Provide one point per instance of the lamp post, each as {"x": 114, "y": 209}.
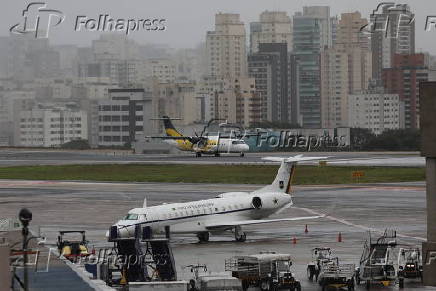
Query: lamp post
{"x": 25, "y": 216}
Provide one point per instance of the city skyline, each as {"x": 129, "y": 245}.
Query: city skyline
{"x": 187, "y": 30}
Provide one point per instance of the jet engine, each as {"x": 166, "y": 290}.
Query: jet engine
{"x": 256, "y": 202}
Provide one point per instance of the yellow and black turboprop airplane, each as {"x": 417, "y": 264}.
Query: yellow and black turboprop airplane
{"x": 203, "y": 143}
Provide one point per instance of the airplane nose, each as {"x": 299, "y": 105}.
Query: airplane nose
{"x": 244, "y": 147}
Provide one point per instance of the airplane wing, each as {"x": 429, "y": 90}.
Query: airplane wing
{"x": 169, "y": 137}
{"x": 298, "y": 158}
{"x": 256, "y": 221}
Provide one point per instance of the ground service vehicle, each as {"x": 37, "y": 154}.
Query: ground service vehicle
{"x": 72, "y": 248}
{"x": 268, "y": 271}
{"x": 409, "y": 265}
{"x": 333, "y": 274}
{"x": 377, "y": 260}
{"x": 319, "y": 256}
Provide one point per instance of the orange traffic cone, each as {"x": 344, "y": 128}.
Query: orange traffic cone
{"x": 294, "y": 240}
{"x": 340, "y": 237}
{"x": 305, "y": 229}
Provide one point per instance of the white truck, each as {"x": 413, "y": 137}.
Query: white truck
{"x": 268, "y": 271}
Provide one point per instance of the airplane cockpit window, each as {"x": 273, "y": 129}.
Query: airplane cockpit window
{"x": 237, "y": 142}
{"x": 131, "y": 216}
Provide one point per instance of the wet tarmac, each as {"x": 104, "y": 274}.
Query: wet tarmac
{"x": 58, "y": 157}
{"x": 351, "y": 210}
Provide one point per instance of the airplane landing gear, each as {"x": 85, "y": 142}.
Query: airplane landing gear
{"x": 240, "y": 236}
{"x": 242, "y": 155}
{"x": 203, "y": 237}
{"x": 217, "y": 154}
{"x": 198, "y": 154}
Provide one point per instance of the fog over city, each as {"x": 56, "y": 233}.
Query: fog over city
{"x": 103, "y": 73}
{"x": 188, "y": 20}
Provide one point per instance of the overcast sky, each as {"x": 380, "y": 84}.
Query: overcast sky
{"x": 188, "y": 20}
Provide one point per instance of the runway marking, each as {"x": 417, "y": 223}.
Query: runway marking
{"x": 346, "y": 222}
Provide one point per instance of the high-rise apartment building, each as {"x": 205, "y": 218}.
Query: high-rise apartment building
{"x": 51, "y": 126}
{"x": 226, "y": 47}
{"x": 345, "y": 68}
{"x": 403, "y": 79}
{"x": 375, "y": 110}
{"x": 392, "y": 32}
{"x": 272, "y": 27}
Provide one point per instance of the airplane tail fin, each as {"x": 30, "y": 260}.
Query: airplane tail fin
{"x": 283, "y": 180}
{"x": 170, "y": 130}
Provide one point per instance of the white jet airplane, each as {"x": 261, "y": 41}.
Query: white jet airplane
{"x": 227, "y": 212}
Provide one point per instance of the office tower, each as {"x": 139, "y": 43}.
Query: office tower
{"x": 322, "y": 13}
{"x": 124, "y": 116}
{"x": 305, "y": 71}
{"x": 269, "y": 68}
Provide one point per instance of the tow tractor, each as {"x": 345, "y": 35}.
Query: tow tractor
{"x": 73, "y": 247}
{"x": 267, "y": 270}
{"x": 377, "y": 260}
{"x": 409, "y": 265}
{"x": 319, "y": 256}
{"x": 335, "y": 275}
